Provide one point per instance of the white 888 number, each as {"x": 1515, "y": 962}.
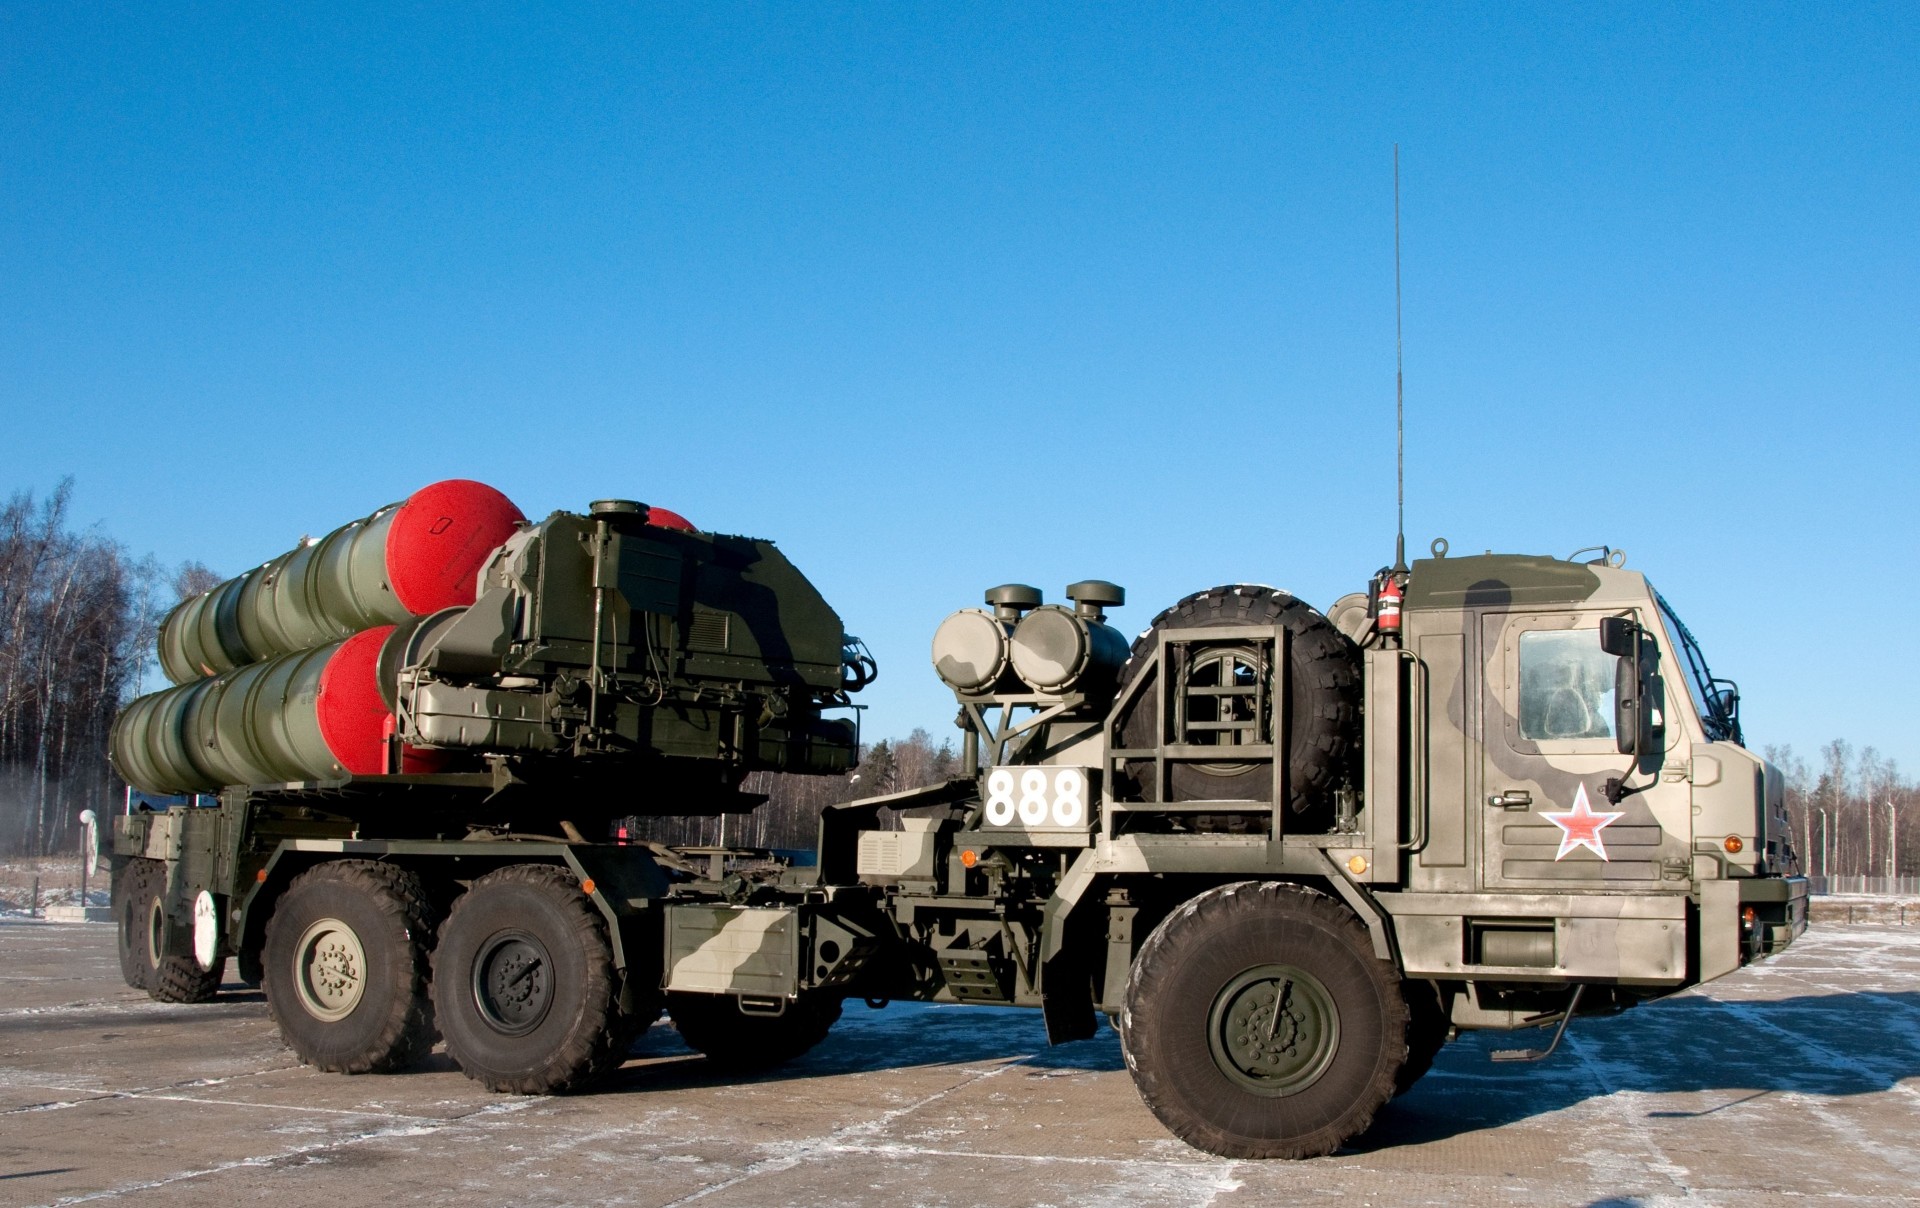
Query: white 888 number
{"x": 1037, "y": 796}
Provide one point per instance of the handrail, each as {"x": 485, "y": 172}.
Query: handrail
{"x": 1417, "y": 781}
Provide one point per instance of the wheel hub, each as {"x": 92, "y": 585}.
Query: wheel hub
{"x": 156, "y": 932}
{"x": 1274, "y": 1030}
{"x": 330, "y": 970}
{"x": 1220, "y": 704}
{"x": 513, "y": 982}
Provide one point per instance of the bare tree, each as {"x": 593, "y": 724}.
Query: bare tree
{"x": 1855, "y": 817}
{"x": 72, "y": 632}
{"x": 790, "y": 817}
{"x": 195, "y": 578}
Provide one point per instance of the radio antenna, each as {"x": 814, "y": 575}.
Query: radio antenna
{"x": 1399, "y": 387}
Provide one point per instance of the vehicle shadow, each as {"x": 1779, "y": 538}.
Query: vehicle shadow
{"x": 899, "y": 1036}
{"x": 1730, "y": 1052}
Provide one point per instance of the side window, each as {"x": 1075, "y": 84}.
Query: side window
{"x": 1566, "y": 685}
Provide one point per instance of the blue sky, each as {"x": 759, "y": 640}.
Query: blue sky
{"x": 945, "y": 296}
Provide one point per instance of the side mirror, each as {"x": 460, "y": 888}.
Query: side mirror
{"x": 1638, "y": 721}
{"x": 1617, "y": 636}
{"x": 1628, "y": 705}
{"x": 1727, "y": 703}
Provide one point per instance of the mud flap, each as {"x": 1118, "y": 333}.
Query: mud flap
{"x": 1719, "y": 938}
{"x": 1066, "y": 1002}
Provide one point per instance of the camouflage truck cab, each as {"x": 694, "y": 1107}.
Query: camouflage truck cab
{"x": 1549, "y": 854}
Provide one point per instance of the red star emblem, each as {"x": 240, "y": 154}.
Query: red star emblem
{"x": 1581, "y": 827}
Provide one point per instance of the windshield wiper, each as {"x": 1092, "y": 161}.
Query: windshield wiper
{"x": 1720, "y": 698}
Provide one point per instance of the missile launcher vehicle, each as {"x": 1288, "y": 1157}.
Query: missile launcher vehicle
{"x": 1287, "y": 854}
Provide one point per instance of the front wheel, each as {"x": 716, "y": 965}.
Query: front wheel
{"x": 1259, "y": 1024}
{"x": 1428, "y": 1026}
{"x": 525, "y": 987}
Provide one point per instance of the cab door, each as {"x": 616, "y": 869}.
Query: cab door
{"x": 1549, "y": 749}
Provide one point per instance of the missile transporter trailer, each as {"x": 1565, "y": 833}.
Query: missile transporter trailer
{"x": 1287, "y": 854}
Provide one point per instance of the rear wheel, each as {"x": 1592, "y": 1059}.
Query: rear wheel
{"x": 346, "y": 966}
{"x": 525, "y": 987}
{"x": 1259, "y": 1024}
{"x": 171, "y": 974}
{"x": 737, "y": 1040}
{"x": 130, "y": 922}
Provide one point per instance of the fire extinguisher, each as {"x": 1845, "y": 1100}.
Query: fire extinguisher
{"x": 1387, "y": 602}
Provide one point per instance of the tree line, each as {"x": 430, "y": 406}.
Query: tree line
{"x": 74, "y": 615}
{"x": 1851, "y": 812}
{"x": 790, "y": 817}
{"x": 78, "y": 614}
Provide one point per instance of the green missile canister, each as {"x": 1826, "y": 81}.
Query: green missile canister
{"x": 318, "y": 714}
{"x": 407, "y": 559}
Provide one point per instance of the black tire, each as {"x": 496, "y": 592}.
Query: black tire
{"x": 738, "y": 1041}
{"x": 1323, "y": 704}
{"x": 130, "y": 921}
{"x": 524, "y": 982}
{"x": 171, "y": 975}
{"x": 1427, "y": 1029}
{"x": 346, "y": 964}
{"x": 1204, "y": 985}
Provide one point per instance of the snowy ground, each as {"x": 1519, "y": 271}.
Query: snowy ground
{"x": 1792, "y": 1081}
{"x": 58, "y": 881}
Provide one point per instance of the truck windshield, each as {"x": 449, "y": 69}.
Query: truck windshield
{"x": 1716, "y": 701}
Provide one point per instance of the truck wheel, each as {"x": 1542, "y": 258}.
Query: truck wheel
{"x": 1323, "y": 704}
{"x": 170, "y": 975}
{"x": 1259, "y": 1024}
{"x": 1427, "y": 1028}
{"x": 524, "y": 982}
{"x": 130, "y": 921}
{"x": 346, "y": 963}
{"x": 741, "y": 1041}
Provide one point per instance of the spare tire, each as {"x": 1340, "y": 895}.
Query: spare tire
{"x": 1323, "y": 705}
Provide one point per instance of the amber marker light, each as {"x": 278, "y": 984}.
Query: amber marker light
{"x": 1733, "y": 845}
{"x": 968, "y": 858}
{"x": 586, "y": 887}
{"x": 260, "y": 878}
{"x": 1357, "y": 865}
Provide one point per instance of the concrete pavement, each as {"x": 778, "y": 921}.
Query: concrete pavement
{"x": 1797, "y": 1079}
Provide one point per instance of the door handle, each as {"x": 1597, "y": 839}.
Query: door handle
{"x": 1512, "y": 799}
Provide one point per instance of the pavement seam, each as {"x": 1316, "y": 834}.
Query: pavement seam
{"x": 1819, "y": 1105}
{"x": 1662, "y": 1162}
{"x": 899, "y": 1148}
{"x": 833, "y": 1143}
{"x": 98, "y": 1096}
{"x": 298, "y": 1151}
{"x": 798, "y": 1152}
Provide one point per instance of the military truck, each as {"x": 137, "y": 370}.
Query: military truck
{"x": 1287, "y": 854}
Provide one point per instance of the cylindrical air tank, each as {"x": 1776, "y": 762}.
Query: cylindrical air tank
{"x": 407, "y": 559}
{"x": 315, "y": 714}
{"x": 970, "y": 649}
{"x": 1057, "y": 650}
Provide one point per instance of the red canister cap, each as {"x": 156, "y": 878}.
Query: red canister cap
{"x": 353, "y": 719}
{"x": 440, "y": 538}
{"x": 664, "y": 518}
